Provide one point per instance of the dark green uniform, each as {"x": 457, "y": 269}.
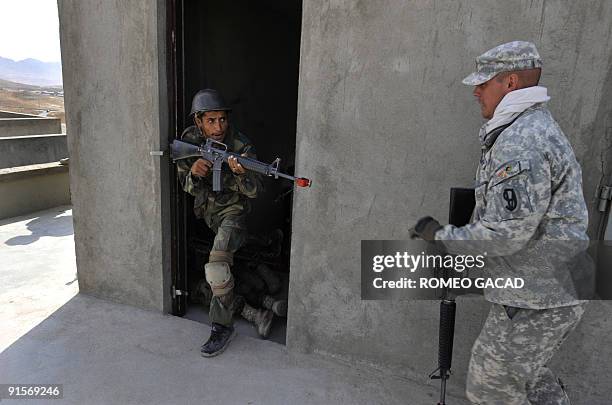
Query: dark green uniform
{"x": 224, "y": 212}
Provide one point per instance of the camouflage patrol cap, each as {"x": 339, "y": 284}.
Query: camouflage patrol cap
{"x": 515, "y": 55}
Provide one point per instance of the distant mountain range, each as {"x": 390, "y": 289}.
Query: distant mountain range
{"x": 5, "y": 84}
{"x": 31, "y": 71}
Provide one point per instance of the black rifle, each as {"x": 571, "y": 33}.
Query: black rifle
{"x": 462, "y": 204}
{"x": 217, "y": 153}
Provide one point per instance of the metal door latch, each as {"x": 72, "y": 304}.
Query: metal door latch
{"x": 156, "y": 153}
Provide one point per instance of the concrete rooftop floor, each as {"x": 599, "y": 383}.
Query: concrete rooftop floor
{"x": 107, "y": 353}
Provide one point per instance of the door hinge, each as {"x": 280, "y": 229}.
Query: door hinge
{"x": 605, "y": 195}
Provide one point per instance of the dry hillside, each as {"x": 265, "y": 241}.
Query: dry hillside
{"x": 23, "y": 98}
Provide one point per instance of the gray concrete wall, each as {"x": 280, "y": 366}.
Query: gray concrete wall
{"x": 385, "y": 128}
{"x": 33, "y": 188}
{"x": 32, "y": 149}
{"x": 29, "y": 126}
{"x": 114, "y": 101}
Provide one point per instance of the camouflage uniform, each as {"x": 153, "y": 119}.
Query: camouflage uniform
{"x": 509, "y": 357}
{"x": 224, "y": 212}
{"x": 528, "y": 188}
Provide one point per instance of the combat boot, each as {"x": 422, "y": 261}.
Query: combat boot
{"x": 261, "y": 318}
{"x": 271, "y": 279}
{"x": 220, "y": 337}
{"x": 279, "y": 307}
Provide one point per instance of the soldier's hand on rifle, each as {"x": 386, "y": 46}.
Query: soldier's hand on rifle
{"x": 236, "y": 167}
{"x": 201, "y": 167}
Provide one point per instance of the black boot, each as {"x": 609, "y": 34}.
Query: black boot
{"x": 219, "y": 339}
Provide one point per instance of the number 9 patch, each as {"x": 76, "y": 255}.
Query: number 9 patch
{"x": 510, "y": 188}
{"x": 511, "y": 199}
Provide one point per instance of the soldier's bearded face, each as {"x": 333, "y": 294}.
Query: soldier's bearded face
{"x": 213, "y": 124}
{"x": 489, "y": 94}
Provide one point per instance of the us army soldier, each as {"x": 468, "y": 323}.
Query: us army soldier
{"x": 224, "y": 212}
{"x": 528, "y": 190}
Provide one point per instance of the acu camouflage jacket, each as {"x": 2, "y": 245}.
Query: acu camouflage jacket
{"x": 530, "y": 213}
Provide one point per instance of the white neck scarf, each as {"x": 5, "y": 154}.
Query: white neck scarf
{"x": 513, "y": 104}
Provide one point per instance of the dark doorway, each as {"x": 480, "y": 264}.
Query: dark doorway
{"x": 249, "y": 51}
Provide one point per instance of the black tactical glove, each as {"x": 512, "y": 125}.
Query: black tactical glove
{"x": 425, "y": 229}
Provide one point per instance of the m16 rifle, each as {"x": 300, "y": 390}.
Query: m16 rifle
{"x": 217, "y": 153}
{"x": 462, "y": 202}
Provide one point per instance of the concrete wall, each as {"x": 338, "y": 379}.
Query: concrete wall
{"x": 32, "y": 149}
{"x": 115, "y": 111}
{"x": 29, "y": 126}
{"x": 385, "y": 128}
{"x": 33, "y": 188}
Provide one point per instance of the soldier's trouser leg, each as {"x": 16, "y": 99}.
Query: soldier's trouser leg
{"x": 230, "y": 235}
{"x": 508, "y": 363}
{"x": 545, "y": 389}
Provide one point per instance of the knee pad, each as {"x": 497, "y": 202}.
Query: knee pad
{"x": 219, "y": 277}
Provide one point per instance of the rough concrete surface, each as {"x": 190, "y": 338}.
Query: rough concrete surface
{"x": 110, "y": 65}
{"x": 32, "y": 188}
{"x": 32, "y": 149}
{"x": 107, "y": 353}
{"x": 19, "y": 126}
{"x": 37, "y": 270}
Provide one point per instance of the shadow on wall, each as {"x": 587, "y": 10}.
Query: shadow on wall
{"x": 60, "y": 225}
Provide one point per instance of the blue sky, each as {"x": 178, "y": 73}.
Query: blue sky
{"x": 29, "y": 29}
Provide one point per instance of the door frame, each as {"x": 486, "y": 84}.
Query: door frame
{"x": 175, "y": 74}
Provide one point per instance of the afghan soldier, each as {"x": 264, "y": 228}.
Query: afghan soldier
{"x": 528, "y": 190}
{"x": 224, "y": 212}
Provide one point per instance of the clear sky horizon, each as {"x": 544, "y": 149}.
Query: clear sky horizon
{"x": 29, "y": 29}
